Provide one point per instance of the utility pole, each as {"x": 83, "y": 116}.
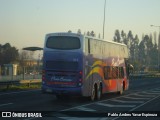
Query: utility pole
{"x": 104, "y": 17}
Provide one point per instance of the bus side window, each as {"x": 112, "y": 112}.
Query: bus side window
{"x": 115, "y": 73}
{"x": 107, "y": 72}
{"x": 86, "y": 45}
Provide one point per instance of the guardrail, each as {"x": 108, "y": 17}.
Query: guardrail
{"x": 20, "y": 77}
{"x": 144, "y": 76}
{"x": 19, "y": 82}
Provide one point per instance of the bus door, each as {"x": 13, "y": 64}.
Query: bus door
{"x": 115, "y": 79}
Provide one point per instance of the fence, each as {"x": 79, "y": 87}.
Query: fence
{"x": 19, "y": 80}
{"x": 145, "y": 76}
{"x": 20, "y": 77}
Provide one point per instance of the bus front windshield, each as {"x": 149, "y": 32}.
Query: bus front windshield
{"x": 63, "y": 42}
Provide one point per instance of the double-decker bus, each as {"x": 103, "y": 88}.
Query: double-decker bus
{"x": 75, "y": 64}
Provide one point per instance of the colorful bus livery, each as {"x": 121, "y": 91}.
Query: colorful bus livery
{"x": 74, "y": 64}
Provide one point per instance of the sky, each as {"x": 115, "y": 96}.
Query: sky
{"x": 24, "y": 23}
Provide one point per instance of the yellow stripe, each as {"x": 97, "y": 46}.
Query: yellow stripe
{"x": 98, "y": 63}
{"x": 95, "y": 70}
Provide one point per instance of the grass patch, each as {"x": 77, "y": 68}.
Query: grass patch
{"x": 20, "y": 87}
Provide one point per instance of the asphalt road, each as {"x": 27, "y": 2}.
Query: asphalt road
{"x": 142, "y": 97}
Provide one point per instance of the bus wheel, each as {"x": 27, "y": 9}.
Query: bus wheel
{"x": 93, "y": 94}
{"x": 99, "y": 92}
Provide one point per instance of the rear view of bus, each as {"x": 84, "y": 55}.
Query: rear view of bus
{"x": 62, "y": 64}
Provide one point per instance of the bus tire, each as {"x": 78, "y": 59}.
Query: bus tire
{"x": 93, "y": 94}
{"x": 99, "y": 92}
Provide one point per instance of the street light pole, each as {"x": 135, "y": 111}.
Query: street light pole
{"x": 158, "y": 46}
{"x": 104, "y": 17}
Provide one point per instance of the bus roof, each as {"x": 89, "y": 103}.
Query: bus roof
{"x": 105, "y": 40}
{"x": 80, "y": 35}
{"x": 63, "y": 34}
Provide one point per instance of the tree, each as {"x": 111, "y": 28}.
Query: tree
{"x": 88, "y": 33}
{"x": 136, "y": 43}
{"x": 99, "y": 36}
{"x": 149, "y": 46}
{"x": 117, "y": 36}
{"x": 153, "y": 55}
{"x": 23, "y": 55}
{"x": 124, "y": 39}
{"x": 155, "y": 37}
{"x": 92, "y": 34}
{"x": 79, "y": 31}
{"x": 141, "y": 54}
{"x": 130, "y": 38}
{"x": 8, "y": 54}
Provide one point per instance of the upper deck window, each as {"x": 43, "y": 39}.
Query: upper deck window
{"x": 63, "y": 42}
